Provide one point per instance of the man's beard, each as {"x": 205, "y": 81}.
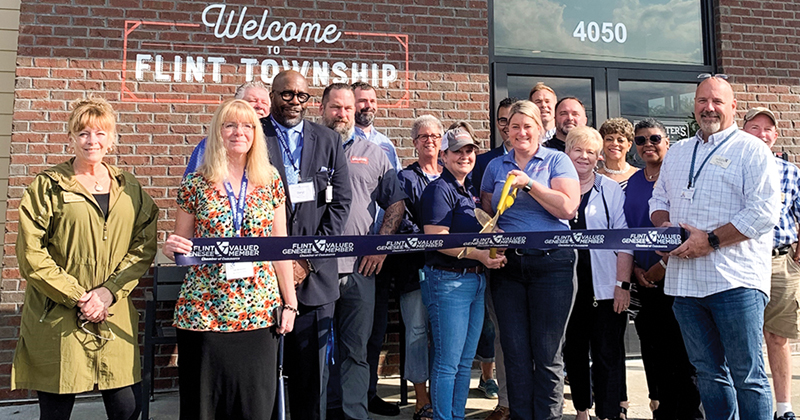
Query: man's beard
{"x": 365, "y": 117}
{"x": 566, "y": 128}
{"x": 344, "y": 129}
{"x": 710, "y": 127}
{"x": 287, "y": 122}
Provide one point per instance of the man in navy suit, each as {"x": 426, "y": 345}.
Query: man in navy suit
{"x": 313, "y": 167}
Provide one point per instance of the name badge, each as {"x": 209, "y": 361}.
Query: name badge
{"x": 302, "y": 192}
{"x": 720, "y": 161}
{"x": 687, "y": 193}
{"x": 72, "y": 197}
{"x": 239, "y": 270}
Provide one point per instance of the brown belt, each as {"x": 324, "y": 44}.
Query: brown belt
{"x": 478, "y": 269}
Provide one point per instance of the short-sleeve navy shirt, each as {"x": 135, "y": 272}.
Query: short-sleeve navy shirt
{"x": 445, "y": 202}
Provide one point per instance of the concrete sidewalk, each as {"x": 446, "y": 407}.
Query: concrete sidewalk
{"x": 165, "y": 406}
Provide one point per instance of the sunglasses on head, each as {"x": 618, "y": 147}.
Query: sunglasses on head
{"x": 704, "y": 76}
{"x": 641, "y": 140}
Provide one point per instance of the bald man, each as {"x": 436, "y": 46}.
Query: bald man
{"x": 722, "y": 186}
{"x": 315, "y": 175}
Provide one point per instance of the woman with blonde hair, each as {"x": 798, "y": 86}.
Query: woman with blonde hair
{"x": 229, "y": 316}
{"x": 87, "y": 233}
{"x": 533, "y": 293}
{"x": 598, "y": 320}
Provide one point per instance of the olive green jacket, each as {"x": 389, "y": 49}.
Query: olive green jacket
{"x": 66, "y": 247}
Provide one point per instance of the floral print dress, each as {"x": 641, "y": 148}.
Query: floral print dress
{"x": 208, "y": 301}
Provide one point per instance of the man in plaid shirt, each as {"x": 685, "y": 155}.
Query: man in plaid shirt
{"x": 781, "y": 317}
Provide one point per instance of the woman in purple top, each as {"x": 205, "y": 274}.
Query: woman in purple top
{"x": 671, "y": 378}
{"x": 533, "y": 293}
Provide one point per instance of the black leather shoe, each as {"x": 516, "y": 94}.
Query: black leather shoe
{"x": 335, "y": 414}
{"x": 378, "y": 406}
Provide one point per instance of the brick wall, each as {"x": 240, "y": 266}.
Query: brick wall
{"x": 70, "y": 49}
{"x": 758, "y": 45}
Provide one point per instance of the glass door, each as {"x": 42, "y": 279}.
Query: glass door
{"x": 586, "y": 84}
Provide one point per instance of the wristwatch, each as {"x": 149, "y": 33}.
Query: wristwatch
{"x": 527, "y": 188}
{"x": 624, "y": 285}
{"x": 713, "y": 240}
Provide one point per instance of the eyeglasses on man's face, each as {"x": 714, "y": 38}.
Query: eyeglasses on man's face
{"x": 288, "y": 95}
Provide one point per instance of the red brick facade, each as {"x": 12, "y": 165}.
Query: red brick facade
{"x": 68, "y": 49}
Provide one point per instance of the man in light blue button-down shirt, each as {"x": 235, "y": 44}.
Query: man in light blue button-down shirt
{"x": 722, "y": 186}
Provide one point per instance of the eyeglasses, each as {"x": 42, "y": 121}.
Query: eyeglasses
{"x": 288, "y": 95}
{"x": 82, "y": 326}
{"x": 502, "y": 122}
{"x": 704, "y": 76}
{"x": 231, "y": 126}
{"x": 641, "y": 140}
{"x": 426, "y": 137}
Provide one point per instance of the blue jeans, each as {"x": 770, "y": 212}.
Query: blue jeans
{"x": 455, "y": 307}
{"x": 415, "y": 316}
{"x": 723, "y": 336}
{"x": 533, "y": 296}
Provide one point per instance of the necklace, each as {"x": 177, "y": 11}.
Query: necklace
{"x": 651, "y": 177}
{"x": 97, "y": 186}
{"x": 624, "y": 169}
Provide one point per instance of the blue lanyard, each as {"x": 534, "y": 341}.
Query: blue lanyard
{"x": 692, "y": 175}
{"x": 237, "y": 207}
{"x": 285, "y": 143}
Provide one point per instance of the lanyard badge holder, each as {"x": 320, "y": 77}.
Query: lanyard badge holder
{"x": 238, "y": 270}
{"x": 299, "y": 192}
{"x": 688, "y": 192}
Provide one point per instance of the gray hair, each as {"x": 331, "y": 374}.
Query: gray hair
{"x": 650, "y": 123}
{"x": 254, "y": 84}
{"x": 425, "y": 121}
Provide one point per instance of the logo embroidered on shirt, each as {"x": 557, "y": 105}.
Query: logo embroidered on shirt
{"x": 359, "y": 159}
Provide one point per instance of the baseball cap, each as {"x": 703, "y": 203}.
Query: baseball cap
{"x": 754, "y": 112}
{"x": 456, "y": 139}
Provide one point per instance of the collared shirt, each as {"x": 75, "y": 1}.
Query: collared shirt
{"x": 786, "y": 229}
{"x": 374, "y": 183}
{"x": 527, "y": 215}
{"x": 445, "y": 202}
{"x": 291, "y": 157}
{"x": 547, "y": 135}
{"x": 378, "y": 138}
{"x": 196, "y": 158}
{"x": 738, "y": 185}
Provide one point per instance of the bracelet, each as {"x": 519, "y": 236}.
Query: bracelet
{"x": 663, "y": 264}
{"x": 291, "y": 308}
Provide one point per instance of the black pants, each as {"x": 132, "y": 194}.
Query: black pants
{"x": 379, "y": 325}
{"x": 304, "y": 361}
{"x": 666, "y": 361}
{"x": 121, "y": 403}
{"x": 596, "y": 329}
{"x": 228, "y": 375}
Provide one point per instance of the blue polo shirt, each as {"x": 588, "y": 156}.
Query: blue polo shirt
{"x": 527, "y": 215}
{"x": 445, "y": 202}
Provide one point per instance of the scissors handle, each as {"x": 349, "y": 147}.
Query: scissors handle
{"x": 507, "y": 196}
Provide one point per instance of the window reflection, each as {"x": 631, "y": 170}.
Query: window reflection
{"x": 520, "y": 87}
{"x": 656, "y": 31}
{"x": 670, "y": 103}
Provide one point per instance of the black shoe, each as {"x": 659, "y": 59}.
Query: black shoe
{"x": 335, "y": 414}
{"x": 786, "y": 416}
{"x": 378, "y": 406}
